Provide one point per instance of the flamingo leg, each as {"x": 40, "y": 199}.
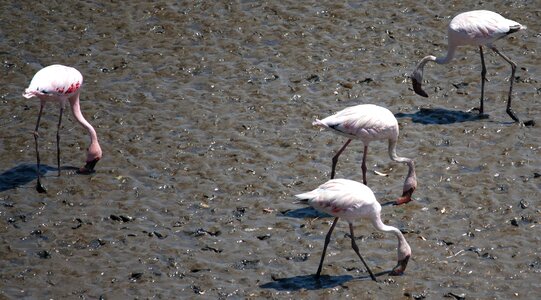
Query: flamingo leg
{"x": 483, "y": 79}
{"x": 510, "y": 111}
{"x": 363, "y": 166}
{"x": 335, "y": 157}
{"x": 58, "y": 138}
{"x": 39, "y": 187}
{"x": 356, "y": 249}
{"x": 327, "y": 240}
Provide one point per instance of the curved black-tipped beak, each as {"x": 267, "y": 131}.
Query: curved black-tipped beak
{"x": 406, "y": 197}
{"x": 89, "y": 167}
{"x": 400, "y": 267}
{"x": 417, "y": 88}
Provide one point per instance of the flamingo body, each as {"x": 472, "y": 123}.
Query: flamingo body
{"x": 351, "y": 200}
{"x": 62, "y": 84}
{"x": 476, "y": 28}
{"x": 369, "y": 122}
{"x": 55, "y": 82}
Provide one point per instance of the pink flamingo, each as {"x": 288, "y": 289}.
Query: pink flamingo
{"x": 477, "y": 28}
{"x": 369, "y": 122}
{"x": 57, "y": 83}
{"x": 348, "y": 199}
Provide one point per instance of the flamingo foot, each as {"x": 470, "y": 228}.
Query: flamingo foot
{"x": 529, "y": 123}
{"x": 40, "y": 188}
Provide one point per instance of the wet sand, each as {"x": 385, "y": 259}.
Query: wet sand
{"x": 204, "y": 116}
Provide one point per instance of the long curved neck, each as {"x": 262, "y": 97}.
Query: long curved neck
{"x": 394, "y": 156}
{"x": 439, "y": 60}
{"x": 451, "y": 48}
{"x": 403, "y": 245}
{"x": 411, "y": 178}
{"x": 76, "y": 110}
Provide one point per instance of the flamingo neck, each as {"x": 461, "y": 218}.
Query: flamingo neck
{"x": 403, "y": 246}
{"x": 411, "y": 178}
{"x": 448, "y": 57}
{"x": 94, "y": 150}
{"x": 395, "y": 157}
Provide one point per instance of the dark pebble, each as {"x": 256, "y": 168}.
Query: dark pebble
{"x": 456, "y": 296}
{"x": 44, "y": 254}
{"x": 524, "y": 204}
{"x": 514, "y": 222}
{"x": 159, "y": 235}
{"x": 264, "y": 237}
{"x": 136, "y": 275}
{"x": 208, "y": 248}
{"x": 197, "y": 290}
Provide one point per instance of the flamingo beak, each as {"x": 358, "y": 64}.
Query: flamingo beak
{"x": 417, "y": 87}
{"x": 406, "y": 197}
{"x": 400, "y": 267}
{"x": 89, "y": 167}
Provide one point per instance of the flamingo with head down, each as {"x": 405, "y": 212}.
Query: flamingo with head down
{"x": 369, "y": 122}
{"x": 348, "y": 199}
{"x": 62, "y": 84}
{"x": 477, "y": 28}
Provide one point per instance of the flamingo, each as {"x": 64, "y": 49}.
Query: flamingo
{"x": 348, "y": 199}
{"x": 477, "y": 28}
{"x": 369, "y": 122}
{"x": 60, "y": 84}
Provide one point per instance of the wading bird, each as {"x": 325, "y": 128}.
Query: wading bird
{"x": 348, "y": 199}
{"x": 61, "y": 84}
{"x": 369, "y": 122}
{"x": 477, "y": 28}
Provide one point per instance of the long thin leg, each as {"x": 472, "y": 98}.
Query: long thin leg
{"x": 356, "y": 249}
{"x": 363, "y": 166}
{"x": 510, "y": 111}
{"x": 327, "y": 240}
{"x": 39, "y": 187}
{"x": 335, "y": 158}
{"x": 58, "y": 138}
{"x": 483, "y": 79}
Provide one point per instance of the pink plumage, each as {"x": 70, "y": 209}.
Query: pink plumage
{"x": 369, "y": 122}
{"x": 351, "y": 200}
{"x": 477, "y": 28}
{"x": 62, "y": 84}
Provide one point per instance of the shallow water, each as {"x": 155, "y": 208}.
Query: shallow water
{"x": 204, "y": 115}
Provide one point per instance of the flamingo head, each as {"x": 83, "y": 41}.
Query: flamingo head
{"x": 417, "y": 80}
{"x": 93, "y": 156}
{"x": 406, "y": 196}
{"x": 410, "y": 184}
{"x": 400, "y": 266}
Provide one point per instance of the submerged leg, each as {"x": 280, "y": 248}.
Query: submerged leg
{"x": 356, "y": 249}
{"x": 58, "y": 139}
{"x": 327, "y": 240}
{"x": 39, "y": 187}
{"x": 335, "y": 158}
{"x": 363, "y": 166}
{"x": 483, "y": 79}
{"x": 510, "y": 111}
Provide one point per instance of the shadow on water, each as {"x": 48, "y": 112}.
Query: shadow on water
{"x": 305, "y": 212}
{"x": 310, "y": 282}
{"x": 441, "y": 116}
{"x": 24, "y": 173}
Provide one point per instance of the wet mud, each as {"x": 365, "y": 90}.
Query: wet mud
{"x": 203, "y": 110}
